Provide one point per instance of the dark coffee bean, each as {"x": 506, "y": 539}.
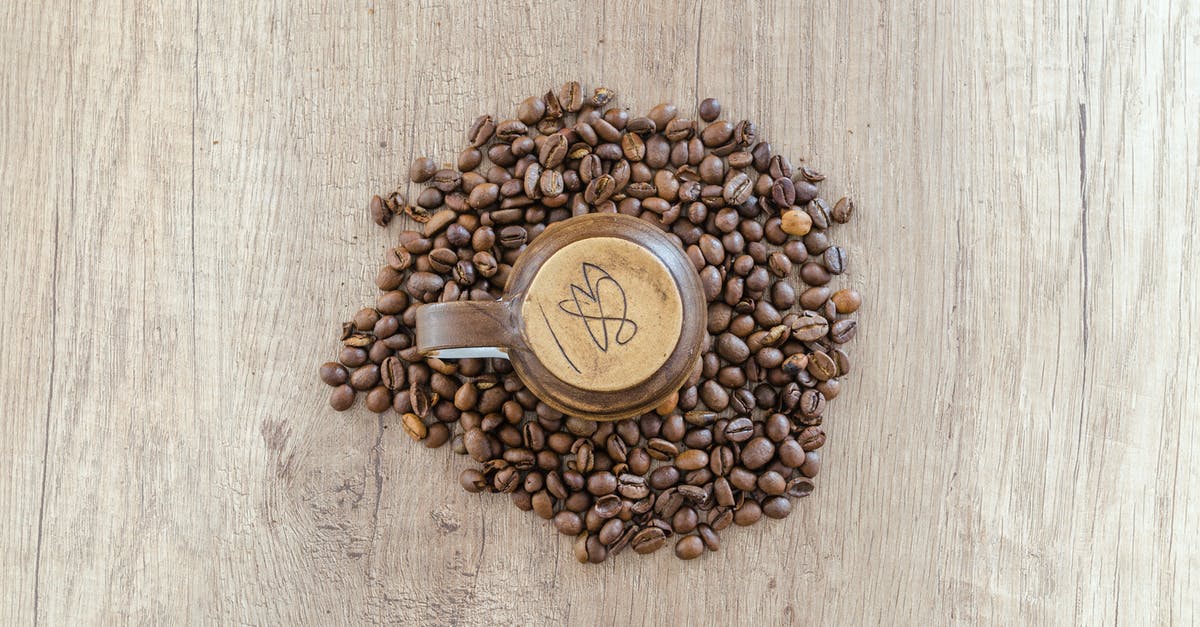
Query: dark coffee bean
{"x": 835, "y": 260}
{"x": 333, "y": 373}
{"x": 842, "y": 210}
{"x": 742, "y": 401}
{"x": 568, "y": 523}
{"x": 757, "y": 452}
{"x": 632, "y": 487}
{"x": 679, "y": 129}
{"x": 342, "y": 397}
{"x": 843, "y": 331}
{"x": 553, "y": 150}
{"x": 811, "y": 438}
{"x": 777, "y": 507}
{"x": 648, "y": 540}
{"x": 737, "y": 189}
{"x": 790, "y": 453}
{"x": 749, "y": 513}
{"x": 815, "y": 244}
{"x": 365, "y": 377}
{"x": 732, "y": 348}
{"x": 812, "y": 464}
{"x": 822, "y": 366}
{"x": 800, "y": 487}
{"x": 810, "y": 328}
{"x": 380, "y": 214}
{"x": 743, "y": 479}
{"x": 783, "y": 192}
{"x": 664, "y": 477}
{"x": 806, "y": 192}
{"x": 570, "y": 96}
{"x": 668, "y": 502}
{"x": 717, "y": 133}
{"x": 601, "y": 483}
{"x": 611, "y": 531}
{"x": 422, "y": 169}
{"x": 739, "y": 430}
{"x": 812, "y": 403}
{"x": 512, "y": 236}
{"x": 661, "y": 449}
{"x": 481, "y": 131}
{"x": 714, "y": 396}
{"x": 777, "y": 427}
{"x": 721, "y": 460}
{"x": 685, "y": 520}
{"x": 710, "y": 109}
{"x": 771, "y": 482}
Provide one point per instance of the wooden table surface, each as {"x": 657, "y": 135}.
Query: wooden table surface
{"x": 184, "y": 191}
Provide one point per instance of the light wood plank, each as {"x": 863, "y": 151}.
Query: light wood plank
{"x": 35, "y": 191}
{"x": 123, "y": 538}
{"x": 1134, "y": 512}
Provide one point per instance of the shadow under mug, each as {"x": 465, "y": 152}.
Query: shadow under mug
{"x": 603, "y": 317}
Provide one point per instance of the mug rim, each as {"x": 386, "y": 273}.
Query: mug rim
{"x": 681, "y": 361}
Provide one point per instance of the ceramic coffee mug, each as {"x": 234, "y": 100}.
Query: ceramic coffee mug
{"x": 603, "y": 317}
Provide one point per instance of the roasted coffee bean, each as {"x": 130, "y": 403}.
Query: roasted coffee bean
{"x": 776, "y": 507}
{"x": 835, "y": 260}
{"x": 737, "y": 189}
{"x": 710, "y": 109}
{"x": 811, "y": 438}
{"x": 601, "y": 483}
{"x": 632, "y": 486}
{"x": 717, "y": 133}
{"x": 749, "y": 513}
{"x": 664, "y": 477}
{"x": 796, "y": 223}
{"x": 333, "y": 373}
{"x": 553, "y": 150}
{"x": 800, "y": 487}
{"x": 771, "y": 482}
{"x": 721, "y": 460}
{"x": 812, "y": 403}
{"x": 732, "y": 347}
{"x": 842, "y": 210}
{"x": 342, "y": 397}
{"x": 512, "y": 236}
{"x": 757, "y": 452}
{"x": 843, "y": 331}
{"x": 691, "y": 459}
{"x": 668, "y": 502}
{"x": 822, "y": 366}
{"x": 571, "y": 96}
{"x": 648, "y": 540}
{"x": 810, "y": 328}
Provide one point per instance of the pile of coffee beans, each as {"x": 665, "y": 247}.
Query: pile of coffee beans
{"x": 740, "y": 440}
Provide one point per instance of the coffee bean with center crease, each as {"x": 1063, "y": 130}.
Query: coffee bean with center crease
{"x": 843, "y": 331}
{"x": 648, "y": 540}
{"x": 738, "y": 189}
{"x": 632, "y": 486}
{"x": 513, "y": 236}
{"x": 809, "y": 328}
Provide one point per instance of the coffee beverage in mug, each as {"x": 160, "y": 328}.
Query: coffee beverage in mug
{"x": 603, "y": 317}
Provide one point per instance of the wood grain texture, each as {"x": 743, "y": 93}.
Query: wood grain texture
{"x": 184, "y": 189}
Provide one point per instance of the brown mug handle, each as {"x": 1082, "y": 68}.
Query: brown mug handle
{"x": 468, "y": 328}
